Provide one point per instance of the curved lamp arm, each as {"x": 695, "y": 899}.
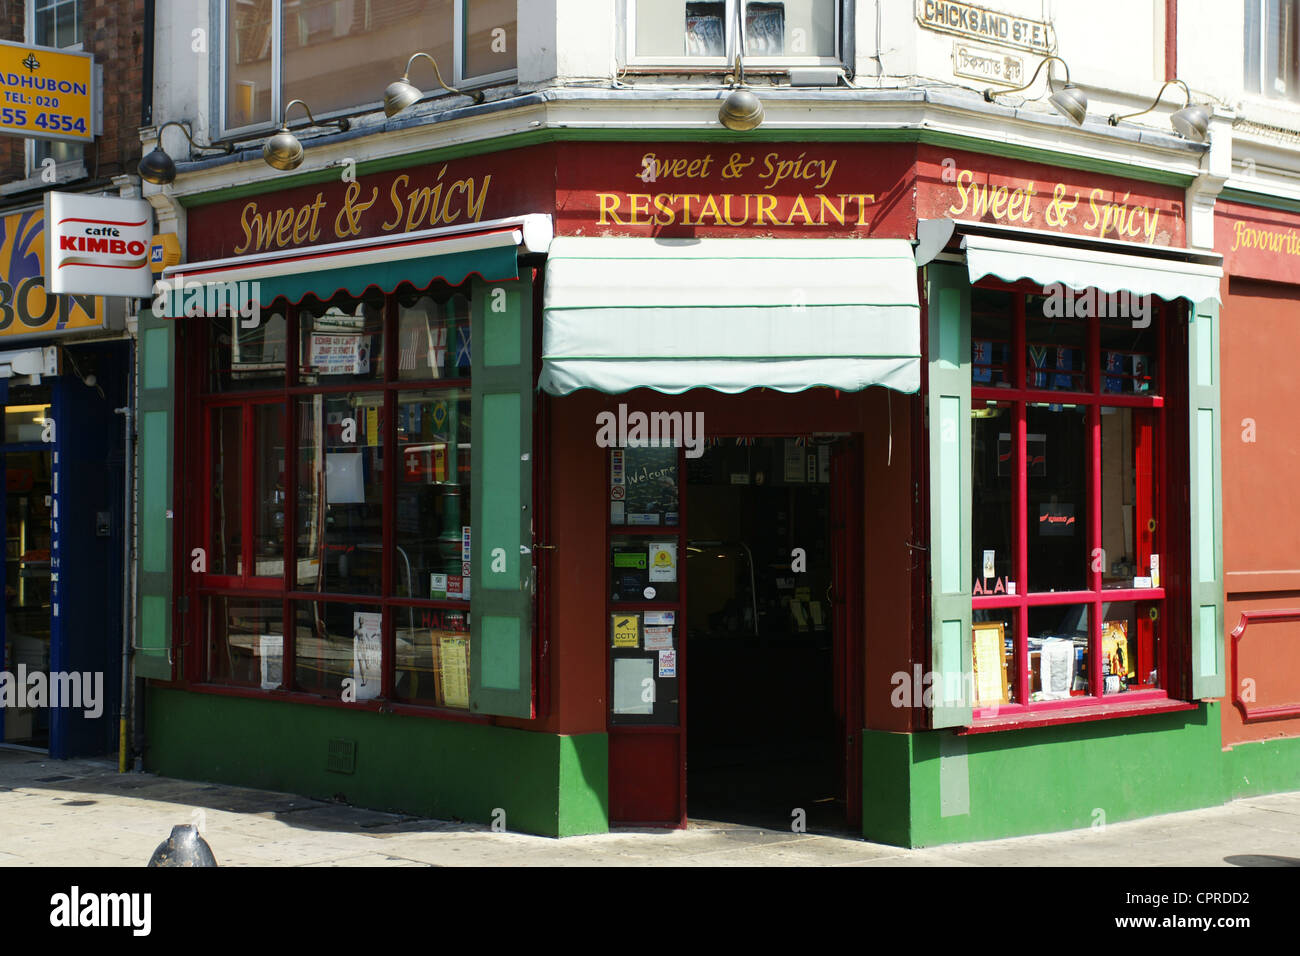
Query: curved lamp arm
{"x": 1187, "y": 101}
{"x": 475, "y": 95}
{"x": 183, "y": 126}
{"x": 344, "y": 123}
{"x": 990, "y": 93}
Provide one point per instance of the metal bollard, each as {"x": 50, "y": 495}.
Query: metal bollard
{"x": 183, "y": 848}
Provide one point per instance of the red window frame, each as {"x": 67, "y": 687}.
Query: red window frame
{"x": 1158, "y": 435}
{"x": 201, "y": 587}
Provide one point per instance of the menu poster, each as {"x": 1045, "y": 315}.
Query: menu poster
{"x": 651, "y": 485}
{"x": 990, "y": 663}
{"x": 454, "y": 671}
{"x": 634, "y": 681}
{"x": 367, "y": 653}
{"x": 270, "y": 654}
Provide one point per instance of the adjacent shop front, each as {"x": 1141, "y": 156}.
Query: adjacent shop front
{"x": 64, "y": 373}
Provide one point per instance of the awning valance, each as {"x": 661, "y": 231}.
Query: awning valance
{"x": 1012, "y": 254}
{"x": 450, "y": 254}
{"x": 730, "y": 315}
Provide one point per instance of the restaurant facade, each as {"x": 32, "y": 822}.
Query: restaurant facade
{"x": 871, "y": 483}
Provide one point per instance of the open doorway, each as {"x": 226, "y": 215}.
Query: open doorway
{"x": 764, "y": 721}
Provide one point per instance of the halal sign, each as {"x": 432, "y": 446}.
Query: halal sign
{"x": 98, "y": 245}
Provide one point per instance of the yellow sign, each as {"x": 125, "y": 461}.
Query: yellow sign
{"x": 47, "y": 93}
{"x": 164, "y": 251}
{"x": 26, "y": 309}
{"x": 626, "y": 631}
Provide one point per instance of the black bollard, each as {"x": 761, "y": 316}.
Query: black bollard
{"x": 183, "y": 848}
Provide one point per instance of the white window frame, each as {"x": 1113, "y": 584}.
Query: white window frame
{"x": 459, "y": 80}
{"x": 702, "y": 64}
{"x": 66, "y": 171}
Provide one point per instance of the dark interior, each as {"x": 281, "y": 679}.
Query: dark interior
{"x": 761, "y": 728}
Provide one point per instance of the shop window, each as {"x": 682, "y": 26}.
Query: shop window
{"x": 337, "y": 55}
{"x": 1067, "y": 516}
{"x": 336, "y": 498}
{"x": 1271, "y": 64}
{"x": 687, "y": 33}
{"x": 55, "y": 23}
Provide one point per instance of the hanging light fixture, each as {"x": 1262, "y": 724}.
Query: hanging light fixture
{"x": 1069, "y": 101}
{"x": 401, "y": 93}
{"x": 283, "y": 151}
{"x": 741, "y": 110}
{"x": 159, "y": 168}
{"x": 1191, "y": 122}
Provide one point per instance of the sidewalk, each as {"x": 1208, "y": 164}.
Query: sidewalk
{"x": 83, "y": 813}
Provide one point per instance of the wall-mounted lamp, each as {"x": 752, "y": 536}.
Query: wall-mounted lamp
{"x": 401, "y": 94}
{"x": 158, "y": 168}
{"x": 1070, "y": 101}
{"x": 283, "y": 151}
{"x": 741, "y": 110}
{"x": 1191, "y": 122}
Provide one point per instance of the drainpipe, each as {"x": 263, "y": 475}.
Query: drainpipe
{"x": 124, "y": 707}
{"x": 146, "y": 66}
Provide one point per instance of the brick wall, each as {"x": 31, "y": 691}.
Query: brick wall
{"x": 113, "y": 30}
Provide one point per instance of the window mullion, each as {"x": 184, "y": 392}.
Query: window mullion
{"x": 1020, "y": 513}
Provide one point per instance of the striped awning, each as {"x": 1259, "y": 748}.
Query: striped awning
{"x": 730, "y": 315}
{"x": 451, "y": 254}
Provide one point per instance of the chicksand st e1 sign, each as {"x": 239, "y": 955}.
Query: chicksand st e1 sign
{"x": 97, "y": 245}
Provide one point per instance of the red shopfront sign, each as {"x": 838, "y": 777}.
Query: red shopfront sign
{"x": 455, "y": 192}
{"x": 955, "y": 185}
{"x": 1257, "y": 243}
{"x": 683, "y": 190}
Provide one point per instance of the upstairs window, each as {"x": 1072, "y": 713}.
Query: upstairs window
{"x": 1271, "y": 65}
{"x": 703, "y": 33}
{"x": 339, "y": 55}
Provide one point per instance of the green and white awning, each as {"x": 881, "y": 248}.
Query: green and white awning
{"x": 730, "y": 315}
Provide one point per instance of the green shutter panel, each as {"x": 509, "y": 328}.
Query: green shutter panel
{"x": 155, "y": 409}
{"x": 1206, "y": 501}
{"x": 948, "y": 407}
{"x": 501, "y": 633}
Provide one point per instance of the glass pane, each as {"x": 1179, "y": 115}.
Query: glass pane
{"x": 1128, "y": 350}
{"x": 1058, "y": 652}
{"x": 30, "y": 573}
{"x": 28, "y": 414}
{"x": 1252, "y": 46}
{"x": 340, "y": 521}
{"x": 1055, "y": 342}
{"x": 1279, "y": 49}
{"x": 246, "y": 644}
{"x": 644, "y": 568}
{"x": 1128, "y": 499}
{"x": 677, "y": 28}
{"x": 227, "y": 451}
{"x": 433, "y": 337}
{"x": 644, "y": 487}
{"x": 334, "y": 641}
{"x": 268, "y": 490}
{"x": 1058, "y": 497}
{"x": 643, "y": 667}
{"x": 432, "y": 656}
{"x": 433, "y": 495}
{"x": 790, "y": 28}
{"x": 489, "y": 37}
{"x": 67, "y": 24}
{"x": 1130, "y": 646}
{"x": 991, "y": 318}
{"x": 340, "y": 54}
{"x": 993, "y": 464}
{"x": 248, "y": 63}
{"x": 993, "y": 655}
{"x": 340, "y": 341}
{"x": 241, "y": 359}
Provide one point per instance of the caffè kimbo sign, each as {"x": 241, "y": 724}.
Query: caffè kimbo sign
{"x": 988, "y": 26}
{"x": 98, "y": 244}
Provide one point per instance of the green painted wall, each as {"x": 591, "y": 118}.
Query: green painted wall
{"x": 1264, "y": 766}
{"x": 937, "y": 787}
{"x": 546, "y": 783}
